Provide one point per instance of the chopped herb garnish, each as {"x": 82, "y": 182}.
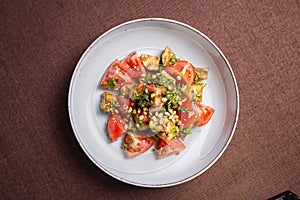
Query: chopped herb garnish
{"x": 174, "y": 59}
{"x": 182, "y": 109}
{"x": 111, "y": 83}
{"x": 187, "y": 130}
{"x": 200, "y": 75}
{"x": 136, "y": 96}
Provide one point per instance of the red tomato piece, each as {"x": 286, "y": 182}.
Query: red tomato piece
{"x": 115, "y": 127}
{"x": 204, "y": 114}
{"x": 187, "y": 114}
{"x": 136, "y": 144}
{"x": 116, "y": 75}
{"x": 151, "y": 88}
{"x": 164, "y": 149}
{"x": 133, "y": 66}
{"x": 182, "y": 71}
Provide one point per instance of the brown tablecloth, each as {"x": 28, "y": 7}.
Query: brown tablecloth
{"x": 41, "y": 42}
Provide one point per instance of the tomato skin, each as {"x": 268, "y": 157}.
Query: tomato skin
{"x": 204, "y": 115}
{"x": 133, "y": 66}
{"x": 136, "y": 144}
{"x": 164, "y": 149}
{"x": 196, "y": 114}
{"x": 115, "y": 127}
{"x": 182, "y": 71}
{"x": 117, "y": 74}
{"x": 109, "y": 72}
{"x": 189, "y": 116}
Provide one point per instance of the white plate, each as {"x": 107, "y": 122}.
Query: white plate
{"x": 204, "y": 146}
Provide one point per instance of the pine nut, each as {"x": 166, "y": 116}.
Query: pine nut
{"x": 141, "y": 117}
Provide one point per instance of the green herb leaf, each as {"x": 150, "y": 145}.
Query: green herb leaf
{"x": 135, "y": 95}
{"x": 111, "y": 83}
{"x": 174, "y": 59}
{"x": 187, "y": 130}
{"x": 182, "y": 109}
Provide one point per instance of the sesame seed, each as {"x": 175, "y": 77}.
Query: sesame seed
{"x": 139, "y": 110}
{"x": 167, "y": 113}
{"x": 146, "y": 90}
{"x": 152, "y": 95}
{"x": 178, "y": 78}
{"x": 156, "y": 114}
{"x": 129, "y": 109}
{"x": 116, "y": 111}
{"x": 161, "y": 121}
{"x": 153, "y": 76}
{"x": 164, "y": 99}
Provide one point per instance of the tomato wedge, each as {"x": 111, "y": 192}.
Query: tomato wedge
{"x": 182, "y": 71}
{"x": 133, "y": 66}
{"x": 115, "y": 127}
{"x": 164, "y": 149}
{"x": 204, "y": 115}
{"x": 187, "y": 114}
{"x": 115, "y": 77}
{"x": 136, "y": 144}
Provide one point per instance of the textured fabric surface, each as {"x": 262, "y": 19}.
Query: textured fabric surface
{"x": 40, "y": 44}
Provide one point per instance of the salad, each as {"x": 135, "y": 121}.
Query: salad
{"x": 153, "y": 101}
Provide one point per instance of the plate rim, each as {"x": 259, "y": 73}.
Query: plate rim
{"x": 237, "y": 109}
